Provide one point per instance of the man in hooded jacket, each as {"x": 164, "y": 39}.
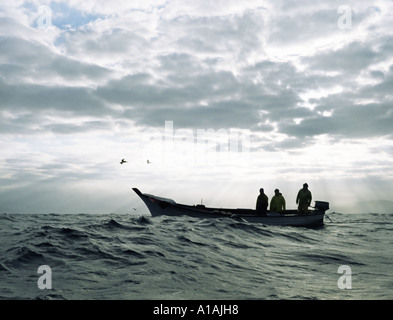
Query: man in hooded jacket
{"x": 303, "y": 199}
{"x": 262, "y": 203}
{"x": 277, "y": 204}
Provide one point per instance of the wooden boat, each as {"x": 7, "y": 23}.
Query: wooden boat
{"x": 163, "y": 206}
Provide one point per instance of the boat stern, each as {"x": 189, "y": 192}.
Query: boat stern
{"x": 321, "y": 206}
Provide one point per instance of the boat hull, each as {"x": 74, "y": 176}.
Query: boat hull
{"x": 161, "y": 206}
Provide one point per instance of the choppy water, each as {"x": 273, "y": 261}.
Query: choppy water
{"x": 139, "y": 257}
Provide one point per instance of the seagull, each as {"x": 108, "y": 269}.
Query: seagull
{"x": 122, "y": 161}
{"x": 148, "y": 161}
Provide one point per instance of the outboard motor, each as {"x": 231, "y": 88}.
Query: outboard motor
{"x": 321, "y": 206}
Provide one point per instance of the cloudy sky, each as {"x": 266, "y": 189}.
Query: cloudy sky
{"x": 222, "y": 97}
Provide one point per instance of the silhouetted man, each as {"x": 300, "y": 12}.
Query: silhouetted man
{"x": 262, "y": 203}
{"x": 277, "y": 204}
{"x": 304, "y": 199}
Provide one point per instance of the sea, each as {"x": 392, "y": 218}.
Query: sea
{"x": 139, "y": 257}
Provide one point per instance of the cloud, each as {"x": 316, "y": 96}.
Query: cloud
{"x": 45, "y": 66}
{"x": 192, "y": 68}
{"x": 348, "y": 60}
{"x": 37, "y": 98}
{"x": 291, "y": 27}
{"x": 346, "y": 121}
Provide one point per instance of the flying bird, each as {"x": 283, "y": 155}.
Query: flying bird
{"x": 122, "y": 161}
{"x": 148, "y": 161}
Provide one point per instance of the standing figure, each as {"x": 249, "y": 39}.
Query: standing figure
{"x": 303, "y": 199}
{"x": 262, "y": 203}
{"x": 277, "y": 204}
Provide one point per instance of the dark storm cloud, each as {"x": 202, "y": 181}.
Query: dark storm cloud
{"x": 382, "y": 90}
{"x": 209, "y": 99}
{"x": 36, "y": 98}
{"x": 136, "y": 90}
{"x": 347, "y": 121}
{"x": 351, "y": 58}
{"x": 35, "y": 109}
{"x": 85, "y": 127}
{"x": 29, "y": 59}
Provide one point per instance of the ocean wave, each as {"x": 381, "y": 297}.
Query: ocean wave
{"x": 24, "y": 255}
{"x": 139, "y": 257}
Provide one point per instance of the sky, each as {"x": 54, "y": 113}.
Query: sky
{"x": 222, "y": 97}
